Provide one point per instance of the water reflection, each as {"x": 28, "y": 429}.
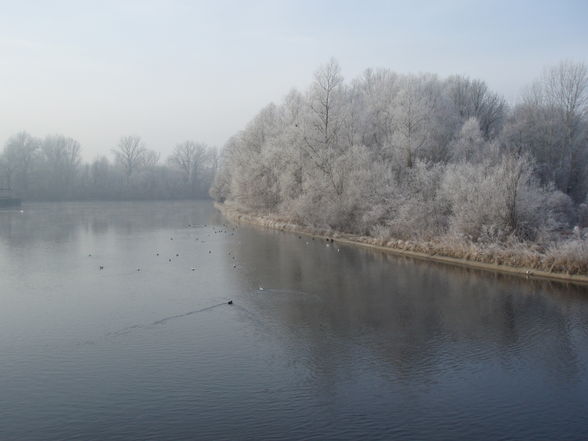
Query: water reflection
{"x": 417, "y": 317}
{"x": 322, "y": 342}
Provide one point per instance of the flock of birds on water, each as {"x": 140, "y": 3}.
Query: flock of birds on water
{"x": 226, "y": 229}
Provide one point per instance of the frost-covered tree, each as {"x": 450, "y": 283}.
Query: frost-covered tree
{"x": 552, "y": 125}
{"x": 472, "y": 99}
{"x": 322, "y": 125}
{"x": 470, "y": 145}
{"x": 412, "y": 156}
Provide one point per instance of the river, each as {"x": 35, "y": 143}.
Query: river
{"x": 321, "y": 341}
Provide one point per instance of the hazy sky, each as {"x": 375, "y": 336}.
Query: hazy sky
{"x": 175, "y": 70}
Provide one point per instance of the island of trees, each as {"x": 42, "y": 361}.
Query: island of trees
{"x": 418, "y": 162}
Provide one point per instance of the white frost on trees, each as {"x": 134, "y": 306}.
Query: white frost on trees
{"x": 415, "y": 156}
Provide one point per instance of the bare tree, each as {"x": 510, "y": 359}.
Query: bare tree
{"x": 323, "y": 123}
{"x": 151, "y": 158}
{"x": 472, "y": 99}
{"x": 130, "y": 154}
{"x": 61, "y": 161}
{"x": 566, "y": 88}
{"x": 187, "y": 157}
{"x": 18, "y": 158}
{"x": 552, "y": 124}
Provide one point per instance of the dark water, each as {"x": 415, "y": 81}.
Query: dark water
{"x": 340, "y": 344}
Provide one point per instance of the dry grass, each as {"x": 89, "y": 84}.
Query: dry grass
{"x": 569, "y": 257}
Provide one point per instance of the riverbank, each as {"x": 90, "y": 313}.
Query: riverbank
{"x": 556, "y": 264}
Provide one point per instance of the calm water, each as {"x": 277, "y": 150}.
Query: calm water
{"x": 339, "y": 344}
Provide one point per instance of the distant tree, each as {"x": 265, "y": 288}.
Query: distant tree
{"x": 104, "y": 180}
{"x": 188, "y": 157}
{"x": 130, "y": 154}
{"x": 18, "y": 158}
{"x": 151, "y": 159}
{"x": 60, "y": 162}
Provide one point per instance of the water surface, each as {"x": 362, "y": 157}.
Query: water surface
{"x": 322, "y": 341}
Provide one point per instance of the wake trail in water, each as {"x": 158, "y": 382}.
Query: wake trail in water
{"x": 128, "y": 329}
{"x": 252, "y": 316}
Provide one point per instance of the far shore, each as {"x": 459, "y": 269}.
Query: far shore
{"x": 430, "y": 252}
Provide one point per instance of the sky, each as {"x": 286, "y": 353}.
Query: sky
{"x": 170, "y": 71}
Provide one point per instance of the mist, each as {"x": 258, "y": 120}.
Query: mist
{"x": 52, "y": 169}
{"x": 293, "y": 220}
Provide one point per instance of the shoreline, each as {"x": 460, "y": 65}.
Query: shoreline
{"x": 235, "y": 215}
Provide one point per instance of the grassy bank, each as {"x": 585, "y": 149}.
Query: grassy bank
{"x": 566, "y": 262}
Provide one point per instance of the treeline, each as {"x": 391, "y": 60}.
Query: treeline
{"x": 417, "y": 156}
{"x": 52, "y": 169}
